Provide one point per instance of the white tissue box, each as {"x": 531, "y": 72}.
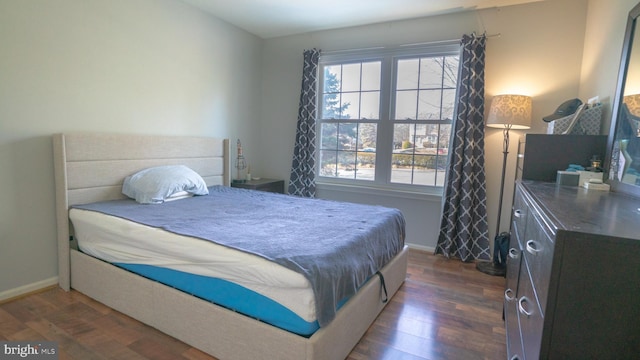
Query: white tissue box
{"x": 629, "y": 179}
{"x": 585, "y": 176}
{"x": 570, "y": 178}
{"x": 594, "y": 186}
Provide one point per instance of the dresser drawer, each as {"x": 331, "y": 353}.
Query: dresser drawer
{"x": 514, "y": 338}
{"x": 514, "y": 258}
{"x": 538, "y": 254}
{"x": 529, "y": 316}
{"x": 520, "y": 211}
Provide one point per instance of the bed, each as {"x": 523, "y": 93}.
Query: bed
{"x": 90, "y": 168}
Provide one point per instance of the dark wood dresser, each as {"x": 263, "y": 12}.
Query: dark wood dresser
{"x": 573, "y": 274}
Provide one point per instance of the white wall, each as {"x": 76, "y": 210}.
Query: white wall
{"x": 606, "y": 23}
{"x": 538, "y": 53}
{"x": 139, "y": 66}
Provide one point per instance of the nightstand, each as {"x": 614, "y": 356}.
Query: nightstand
{"x": 269, "y": 185}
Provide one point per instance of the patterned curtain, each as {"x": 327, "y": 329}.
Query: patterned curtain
{"x": 463, "y": 228}
{"x": 303, "y": 167}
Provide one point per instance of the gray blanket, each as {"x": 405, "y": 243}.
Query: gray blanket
{"x": 336, "y": 245}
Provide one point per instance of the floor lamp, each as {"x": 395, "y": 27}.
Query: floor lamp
{"x": 507, "y": 112}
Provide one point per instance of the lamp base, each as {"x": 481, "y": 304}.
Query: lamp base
{"x": 488, "y": 267}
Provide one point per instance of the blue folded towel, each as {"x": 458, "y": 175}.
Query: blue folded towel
{"x": 575, "y": 167}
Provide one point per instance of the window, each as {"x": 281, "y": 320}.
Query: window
{"x": 384, "y": 117}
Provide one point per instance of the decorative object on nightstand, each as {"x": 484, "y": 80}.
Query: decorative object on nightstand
{"x": 241, "y": 164}
{"x": 269, "y": 185}
{"x": 507, "y": 112}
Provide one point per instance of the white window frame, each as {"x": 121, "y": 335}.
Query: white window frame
{"x": 388, "y": 56}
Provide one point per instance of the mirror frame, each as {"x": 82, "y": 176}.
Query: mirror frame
{"x": 617, "y": 104}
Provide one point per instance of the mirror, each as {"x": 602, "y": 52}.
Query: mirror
{"x": 624, "y": 135}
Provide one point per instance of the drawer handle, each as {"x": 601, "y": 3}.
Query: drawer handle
{"x": 514, "y": 253}
{"x": 521, "y": 308}
{"x": 533, "y": 247}
{"x": 518, "y": 213}
{"x": 508, "y": 295}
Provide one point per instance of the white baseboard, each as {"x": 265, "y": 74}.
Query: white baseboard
{"x": 25, "y": 289}
{"x": 421, "y": 247}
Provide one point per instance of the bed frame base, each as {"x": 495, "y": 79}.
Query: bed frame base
{"x": 220, "y": 332}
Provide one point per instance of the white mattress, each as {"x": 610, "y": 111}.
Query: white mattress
{"x": 117, "y": 240}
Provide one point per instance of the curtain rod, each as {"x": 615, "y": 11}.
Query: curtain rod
{"x": 445, "y": 41}
{"x": 402, "y": 45}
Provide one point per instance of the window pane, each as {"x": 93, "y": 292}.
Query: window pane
{"x": 401, "y": 137}
{"x": 451, "y": 65}
{"x": 429, "y": 105}
{"x": 431, "y": 73}
{"x": 420, "y": 136}
{"x": 416, "y": 169}
{"x": 441, "y": 170}
{"x": 423, "y": 170}
{"x": 331, "y": 99}
{"x": 351, "y": 105}
{"x": 366, "y": 166}
{"x": 351, "y": 77}
{"x": 346, "y": 164}
{"x": 401, "y": 166}
{"x": 329, "y": 136}
{"x": 366, "y": 156}
{"x": 356, "y": 155}
{"x": 347, "y": 136}
{"x": 407, "y": 76}
{"x": 367, "y": 136}
{"x": 406, "y": 102}
{"x": 444, "y": 138}
{"x": 429, "y": 139}
{"x": 448, "y": 103}
{"x": 370, "y": 105}
{"x": 328, "y": 163}
{"x": 371, "y": 76}
{"x": 341, "y": 93}
{"x": 331, "y": 108}
{"x": 417, "y": 158}
{"x": 332, "y": 76}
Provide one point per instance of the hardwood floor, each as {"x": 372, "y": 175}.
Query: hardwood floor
{"x": 446, "y": 309}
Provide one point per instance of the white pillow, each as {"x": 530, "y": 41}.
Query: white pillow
{"x": 154, "y": 185}
{"x": 179, "y": 195}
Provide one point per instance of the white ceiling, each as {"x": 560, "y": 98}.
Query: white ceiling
{"x": 274, "y": 18}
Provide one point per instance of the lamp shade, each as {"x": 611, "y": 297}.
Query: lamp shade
{"x": 510, "y": 111}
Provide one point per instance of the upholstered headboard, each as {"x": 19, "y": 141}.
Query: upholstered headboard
{"x": 91, "y": 167}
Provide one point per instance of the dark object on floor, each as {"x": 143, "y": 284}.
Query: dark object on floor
{"x": 488, "y": 267}
{"x": 497, "y": 267}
